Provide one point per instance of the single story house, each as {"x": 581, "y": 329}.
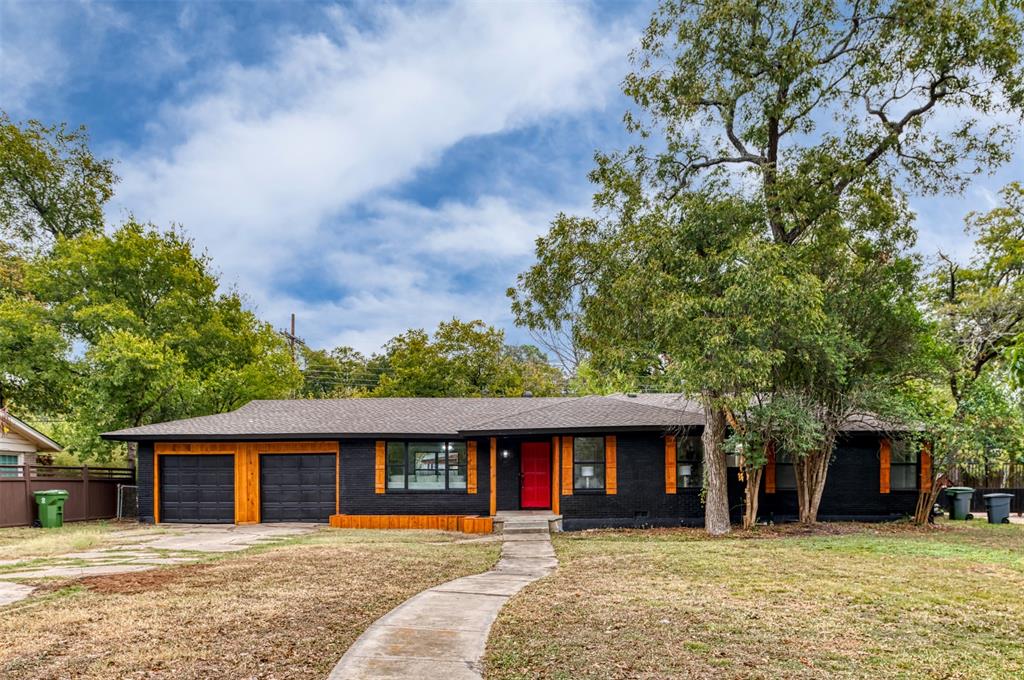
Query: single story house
{"x": 20, "y": 444}
{"x": 596, "y": 461}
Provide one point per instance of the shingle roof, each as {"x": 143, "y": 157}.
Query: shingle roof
{"x": 598, "y": 413}
{"x": 286, "y": 419}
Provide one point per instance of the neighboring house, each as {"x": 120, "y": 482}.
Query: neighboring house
{"x": 19, "y": 444}
{"x": 620, "y": 460}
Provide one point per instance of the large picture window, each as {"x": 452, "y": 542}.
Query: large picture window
{"x": 785, "y": 473}
{"x": 427, "y": 466}
{"x": 689, "y": 456}
{"x": 903, "y": 466}
{"x": 588, "y": 463}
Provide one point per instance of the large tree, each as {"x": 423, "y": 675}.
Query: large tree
{"x": 812, "y": 113}
{"x": 978, "y": 310}
{"x": 462, "y": 359}
{"x": 157, "y": 339}
{"x": 51, "y": 185}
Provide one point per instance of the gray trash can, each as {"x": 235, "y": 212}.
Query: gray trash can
{"x": 998, "y": 507}
{"x": 960, "y": 502}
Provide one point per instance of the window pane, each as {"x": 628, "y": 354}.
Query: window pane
{"x": 903, "y": 452}
{"x": 396, "y": 465}
{"x": 588, "y": 476}
{"x": 785, "y": 475}
{"x": 690, "y": 449}
{"x": 456, "y": 459}
{"x": 588, "y": 449}
{"x": 426, "y": 465}
{"x": 903, "y": 477}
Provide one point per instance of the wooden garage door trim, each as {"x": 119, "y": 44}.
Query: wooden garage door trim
{"x": 247, "y": 469}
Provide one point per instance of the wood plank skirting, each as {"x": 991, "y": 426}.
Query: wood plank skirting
{"x": 467, "y": 524}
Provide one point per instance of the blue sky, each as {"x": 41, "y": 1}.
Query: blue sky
{"x": 371, "y": 167}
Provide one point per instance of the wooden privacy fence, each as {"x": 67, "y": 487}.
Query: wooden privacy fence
{"x": 92, "y": 491}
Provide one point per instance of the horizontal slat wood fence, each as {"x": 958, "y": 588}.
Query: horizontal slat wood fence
{"x": 92, "y": 491}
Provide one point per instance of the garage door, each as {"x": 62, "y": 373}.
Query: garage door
{"x": 197, "y": 489}
{"x": 297, "y": 487}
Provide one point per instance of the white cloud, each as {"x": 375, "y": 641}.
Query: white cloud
{"x": 33, "y": 57}
{"x": 262, "y": 167}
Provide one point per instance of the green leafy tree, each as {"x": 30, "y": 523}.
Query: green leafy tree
{"x": 34, "y": 370}
{"x": 462, "y": 359}
{"x": 159, "y": 341}
{"x": 973, "y": 413}
{"x": 804, "y": 116}
{"x": 340, "y": 372}
{"x": 51, "y": 185}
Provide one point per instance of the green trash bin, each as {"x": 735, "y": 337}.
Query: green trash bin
{"x": 998, "y": 507}
{"x": 51, "y": 507}
{"x": 960, "y": 502}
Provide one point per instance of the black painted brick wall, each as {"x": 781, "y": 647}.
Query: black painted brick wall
{"x": 358, "y": 480}
{"x": 641, "y": 498}
{"x": 144, "y": 479}
{"x": 851, "y": 488}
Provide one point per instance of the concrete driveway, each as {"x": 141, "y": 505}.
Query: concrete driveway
{"x": 136, "y": 550}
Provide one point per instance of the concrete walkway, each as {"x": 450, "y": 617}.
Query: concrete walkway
{"x": 441, "y": 633}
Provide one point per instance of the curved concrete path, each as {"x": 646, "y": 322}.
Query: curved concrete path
{"x": 441, "y": 633}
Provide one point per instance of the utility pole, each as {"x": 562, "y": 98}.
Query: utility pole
{"x": 292, "y": 339}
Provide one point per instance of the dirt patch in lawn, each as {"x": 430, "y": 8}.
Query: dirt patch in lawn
{"x": 283, "y": 612}
{"x": 140, "y": 581}
{"x": 880, "y": 601}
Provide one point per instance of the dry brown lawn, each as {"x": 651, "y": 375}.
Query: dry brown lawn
{"x": 288, "y": 611}
{"x": 842, "y": 601}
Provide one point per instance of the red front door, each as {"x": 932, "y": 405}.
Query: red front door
{"x": 535, "y": 462}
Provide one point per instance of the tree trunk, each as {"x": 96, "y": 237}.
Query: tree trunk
{"x": 751, "y": 490}
{"x": 716, "y": 502}
{"x": 926, "y": 500}
{"x": 811, "y": 472}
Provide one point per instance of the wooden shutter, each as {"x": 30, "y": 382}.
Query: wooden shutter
{"x": 381, "y": 468}
{"x": 555, "y": 491}
{"x": 926, "y": 467}
{"x": 566, "y": 466}
{"x": 884, "y": 459}
{"x": 471, "y": 466}
{"x": 611, "y": 477}
{"x": 494, "y": 475}
{"x": 769, "y": 468}
{"x": 670, "y": 463}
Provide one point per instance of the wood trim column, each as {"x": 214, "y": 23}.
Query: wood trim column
{"x": 885, "y": 461}
{"x": 494, "y": 476}
{"x": 556, "y": 495}
{"x": 769, "y": 468}
{"x": 337, "y": 481}
{"x": 471, "y": 466}
{"x": 926, "y": 466}
{"x": 566, "y": 466}
{"x": 611, "y": 476}
{"x": 380, "y": 468}
{"x": 671, "y": 482}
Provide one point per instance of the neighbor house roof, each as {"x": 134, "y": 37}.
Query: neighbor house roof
{"x": 425, "y": 416}
{"x": 9, "y": 423}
